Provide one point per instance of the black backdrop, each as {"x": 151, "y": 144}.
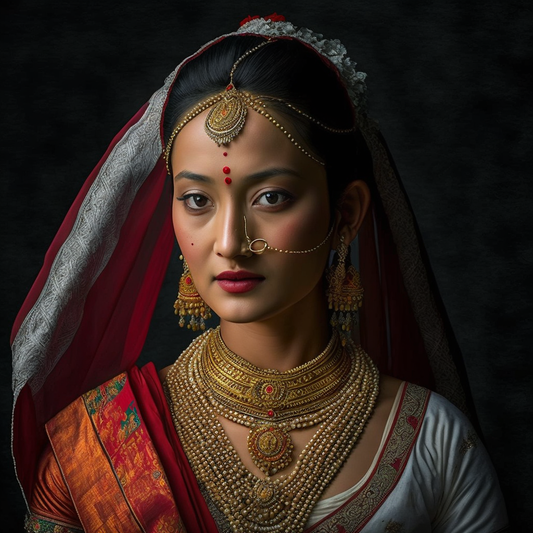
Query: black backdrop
{"x": 449, "y": 83}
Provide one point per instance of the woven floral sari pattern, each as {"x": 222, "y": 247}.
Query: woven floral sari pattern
{"x": 122, "y": 453}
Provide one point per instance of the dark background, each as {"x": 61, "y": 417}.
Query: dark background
{"x": 450, "y": 84}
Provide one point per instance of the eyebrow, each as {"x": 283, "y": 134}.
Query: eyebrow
{"x": 256, "y": 176}
{"x": 187, "y": 174}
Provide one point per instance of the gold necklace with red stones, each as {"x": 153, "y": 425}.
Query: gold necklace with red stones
{"x": 337, "y": 389}
{"x": 269, "y": 402}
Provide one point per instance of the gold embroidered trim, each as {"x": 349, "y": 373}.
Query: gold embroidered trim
{"x": 469, "y": 442}
{"x": 360, "y": 508}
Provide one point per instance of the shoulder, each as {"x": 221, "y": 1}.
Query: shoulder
{"x": 446, "y": 425}
{"x": 93, "y": 407}
{"x": 448, "y": 471}
{"x": 442, "y": 427}
{"x": 450, "y": 462}
{"x": 163, "y": 373}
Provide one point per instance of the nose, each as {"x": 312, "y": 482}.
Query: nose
{"x": 230, "y": 235}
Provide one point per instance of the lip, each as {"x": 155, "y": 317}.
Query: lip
{"x": 237, "y": 275}
{"x": 238, "y": 281}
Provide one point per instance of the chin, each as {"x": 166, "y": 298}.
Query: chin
{"x": 249, "y": 312}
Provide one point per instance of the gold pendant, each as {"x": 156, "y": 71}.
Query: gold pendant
{"x": 267, "y": 504}
{"x": 270, "y": 448}
{"x": 226, "y": 119}
{"x": 268, "y": 394}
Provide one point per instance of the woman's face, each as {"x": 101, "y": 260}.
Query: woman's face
{"x": 282, "y": 193}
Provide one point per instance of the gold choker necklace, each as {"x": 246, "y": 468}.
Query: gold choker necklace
{"x": 208, "y": 381}
{"x": 269, "y": 402}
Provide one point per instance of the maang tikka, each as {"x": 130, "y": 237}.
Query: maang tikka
{"x": 344, "y": 292}
{"x": 190, "y": 303}
{"x": 229, "y": 108}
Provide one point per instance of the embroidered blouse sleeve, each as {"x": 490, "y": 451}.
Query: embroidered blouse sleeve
{"x": 50, "y": 501}
{"x": 470, "y": 500}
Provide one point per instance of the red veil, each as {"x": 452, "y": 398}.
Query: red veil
{"x": 87, "y": 315}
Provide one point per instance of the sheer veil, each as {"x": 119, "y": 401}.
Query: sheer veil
{"x": 86, "y": 317}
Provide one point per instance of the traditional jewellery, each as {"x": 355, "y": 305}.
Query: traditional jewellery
{"x": 209, "y": 381}
{"x": 189, "y": 303}
{"x": 269, "y": 401}
{"x": 344, "y": 292}
{"x": 228, "y": 111}
{"x": 265, "y": 246}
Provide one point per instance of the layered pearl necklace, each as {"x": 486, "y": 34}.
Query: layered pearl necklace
{"x": 337, "y": 389}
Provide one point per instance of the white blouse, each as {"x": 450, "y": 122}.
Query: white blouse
{"x": 442, "y": 482}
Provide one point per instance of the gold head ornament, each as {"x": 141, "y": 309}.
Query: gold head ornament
{"x": 228, "y": 111}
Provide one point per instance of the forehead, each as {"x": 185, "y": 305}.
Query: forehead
{"x": 259, "y": 145}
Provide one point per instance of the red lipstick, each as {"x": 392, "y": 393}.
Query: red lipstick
{"x": 238, "y": 281}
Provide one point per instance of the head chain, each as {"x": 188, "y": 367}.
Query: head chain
{"x": 228, "y": 111}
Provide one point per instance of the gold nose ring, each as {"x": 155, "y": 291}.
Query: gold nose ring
{"x": 266, "y": 246}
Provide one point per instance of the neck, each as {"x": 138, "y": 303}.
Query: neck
{"x": 287, "y": 340}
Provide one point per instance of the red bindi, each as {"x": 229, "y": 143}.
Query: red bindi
{"x": 227, "y": 180}
{"x": 226, "y": 170}
{"x": 225, "y": 154}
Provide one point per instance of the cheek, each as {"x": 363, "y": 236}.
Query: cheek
{"x": 304, "y": 230}
{"x": 189, "y": 246}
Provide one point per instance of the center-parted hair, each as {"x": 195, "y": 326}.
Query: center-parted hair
{"x": 289, "y": 71}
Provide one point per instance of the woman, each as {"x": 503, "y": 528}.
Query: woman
{"x": 278, "y": 420}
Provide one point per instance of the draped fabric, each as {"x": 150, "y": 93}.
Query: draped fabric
{"x": 86, "y": 317}
{"x": 124, "y": 425}
{"x": 430, "y": 472}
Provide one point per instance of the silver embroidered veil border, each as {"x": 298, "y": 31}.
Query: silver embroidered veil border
{"x": 51, "y": 324}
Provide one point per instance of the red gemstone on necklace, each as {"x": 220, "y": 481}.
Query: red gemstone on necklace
{"x": 271, "y": 413}
{"x": 229, "y": 87}
{"x": 227, "y": 181}
{"x": 226, "y": 170}
{"x": 269, "y": 389}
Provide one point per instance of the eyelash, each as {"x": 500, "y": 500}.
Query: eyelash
{"x": 288, "y": 199}
{"x": 186, "y": 197}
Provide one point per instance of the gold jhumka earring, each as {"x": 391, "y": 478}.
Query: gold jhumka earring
{"x": 190, "y": 303}
{"x": 344, "y": 293}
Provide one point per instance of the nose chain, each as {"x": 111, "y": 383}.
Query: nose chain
{"x": 266, "y": 246}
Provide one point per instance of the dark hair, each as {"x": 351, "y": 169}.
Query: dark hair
{"x": 291, "y": 71}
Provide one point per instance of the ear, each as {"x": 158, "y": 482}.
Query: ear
{"x": 351, "y": 211}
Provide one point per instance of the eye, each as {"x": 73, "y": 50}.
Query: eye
{"x": 194, "y": 201}
{"x": 272, "y": 198}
